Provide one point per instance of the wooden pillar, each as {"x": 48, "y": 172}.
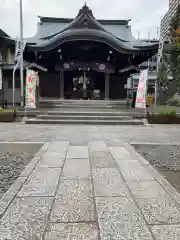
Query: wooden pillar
{"x": 61, "y": 84}
{"x": 107, "y": 77}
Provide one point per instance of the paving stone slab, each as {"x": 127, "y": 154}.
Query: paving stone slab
{"x": 51, "y": 159}
{"x": 42, "y": 182}
{"x": 116, "y": 230}
{"x": 164, "y": 183}
{"x": 113, "y": 142}
{"x": 43, "y": 149}
{"x": 108, "y": 182}
{"x": 77, "y": 152}
{"x": 147, "y": 189}
{"x": 60, "y": 147}
{"x": 76, "y": 169}
{"x": 25, "y": 219}
{"x": 102, "y": 159}
{"x": 119, "y": 218}
{"x": 160, "y": 210}
{"x": 122, "y": 153}
{"x": 75, "y": 231}
{"x": 74, "y": 202}
{"x": 166, "y": 232}
{"x": 134, "y": 171}
{"x": 97, "y": 146}
{"x": 79, "y": 141}
{"x": 95, "y": 137}
{"x": 30, "y": 167}
{"x": 10, "y": 194}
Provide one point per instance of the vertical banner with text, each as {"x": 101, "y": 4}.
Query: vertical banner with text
{"x": 142, "y": 90}
{"x": 31, "y": 79}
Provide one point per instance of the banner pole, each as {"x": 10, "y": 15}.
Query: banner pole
{"x": 21, "y": 54}
{"x": 13, "y": 88}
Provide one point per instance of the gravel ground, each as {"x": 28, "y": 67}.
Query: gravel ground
{"x": 165, "y": 158}
{"x": 162, "y": 156}
{"x": 13, "y": 162}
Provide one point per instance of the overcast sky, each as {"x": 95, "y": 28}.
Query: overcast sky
{"x": 145, "y": 14}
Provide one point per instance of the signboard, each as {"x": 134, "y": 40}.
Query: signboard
{"x": 31, "y": 79}
{"x": 142, "y": 89}
{"x": 149, "y": 100}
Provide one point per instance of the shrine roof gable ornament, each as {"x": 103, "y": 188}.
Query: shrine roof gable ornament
{"x": 85, "y": 10}
{"x": 84, "y": 19}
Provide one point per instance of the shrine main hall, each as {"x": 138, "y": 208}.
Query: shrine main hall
{"x": 85, "y": 58}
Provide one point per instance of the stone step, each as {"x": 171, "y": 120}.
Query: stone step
{"x": 77, "y": 112}
{"x": 74, "y": 101}
{"x": 89, "y": 113}
{"x": 83, "y": 117}
{"x": 82, "y": 106}
{"x": 89, "y": 122}
{"x": 69, "y": 106}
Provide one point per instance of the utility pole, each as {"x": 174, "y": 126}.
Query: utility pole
{"x": 21, "y": 54}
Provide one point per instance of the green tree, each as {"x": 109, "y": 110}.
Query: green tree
{"x": 172, "y": 51}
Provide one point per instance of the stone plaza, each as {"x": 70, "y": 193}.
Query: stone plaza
{"x": 89, "y": 183}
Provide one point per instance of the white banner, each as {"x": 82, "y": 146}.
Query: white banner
{"x": 17, "y": 56}
{"x": 142, "y": 90}
{"x": 31, "y": 79}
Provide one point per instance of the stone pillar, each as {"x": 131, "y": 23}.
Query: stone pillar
{"x": 107, "y": 77}
{"x": 61, "y": 84}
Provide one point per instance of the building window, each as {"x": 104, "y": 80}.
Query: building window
{"x": 17, "y": 83}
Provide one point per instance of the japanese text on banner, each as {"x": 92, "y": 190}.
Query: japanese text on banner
{"x": 142, "y": 90}
{"x": 31, "y": 79}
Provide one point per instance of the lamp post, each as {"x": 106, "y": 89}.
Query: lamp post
{"x": 21, "y": 54}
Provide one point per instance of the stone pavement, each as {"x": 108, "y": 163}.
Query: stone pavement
{"x": 87, "y": 184}
{"x": 81, "y": 134}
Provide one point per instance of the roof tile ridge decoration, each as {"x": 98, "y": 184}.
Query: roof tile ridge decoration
{"x": 84, "y": 18}
{"x": 68, "y": 20}
{"x": 54, "y": 19}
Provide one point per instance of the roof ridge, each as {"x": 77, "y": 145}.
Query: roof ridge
{"x": 56, "y": 19}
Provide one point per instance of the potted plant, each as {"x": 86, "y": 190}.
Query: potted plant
{"x": 7, "y": 115}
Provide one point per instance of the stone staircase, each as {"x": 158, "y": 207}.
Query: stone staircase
{"x": 82, "y": 112}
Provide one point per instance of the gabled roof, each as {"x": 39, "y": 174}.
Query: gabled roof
{"x": 86, "y": 27}
{"x": 49, "y": 26}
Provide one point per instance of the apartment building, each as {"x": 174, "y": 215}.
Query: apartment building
{"x": 164, "y": 27}
{"x": 165, "y": 22}
{"x": 173, "y": 4}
